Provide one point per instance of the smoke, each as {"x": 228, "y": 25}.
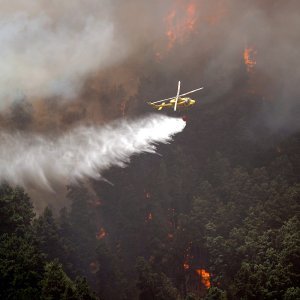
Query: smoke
{"x": 107, "y": 55}
{"x": 87, "y": 50}
{"x": 83, "y": 152}
{"x": 47, "y": 48}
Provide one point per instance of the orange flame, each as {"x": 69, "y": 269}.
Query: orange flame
{"x": 187, "y": 258}
{"x": 101, "y": 234}
{"x": 97, "y": 202}
{"x": 170, "y": 236}
{"x": 94, "y": 267}
{"x": 123, "y": 107}
{"x": 205, "y": 277}
{"x": 180, "y": 25}
{"x": 249, "y": 58}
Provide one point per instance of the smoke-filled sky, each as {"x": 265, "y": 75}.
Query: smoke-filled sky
{"x": 47, "y": 48}
{"x": 66, "y": 64}
{"x": 50, "y": 49}
{"x": 55, "y": 49}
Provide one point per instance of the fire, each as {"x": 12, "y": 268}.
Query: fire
{"x": 94, "y": 267}
{"x": 123, "y": 107}
{"x": 171, "y": 32}
{"x": 95, "y": 202}
{"x": 101, "y": 234}
{"x": 205, "y": 277}
{"x": 180, "y": 22}
{"x": 189, "y": 17}
{"x": 187, "y": 258}
{"x": 170, "y": 236}
{"x": 249, "y": 58}
{"x": 149, "y": 217}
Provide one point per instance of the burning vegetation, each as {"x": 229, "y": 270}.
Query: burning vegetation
{"x": 180, "y": 22}
{"x": 195, "y": 275}
{"x": 250, "y": 59}
{"x": 204, "y": 277}
{"x": 218, "y": 202}
{"x": 101, "y": 234}
{"x": 149, "y": 217}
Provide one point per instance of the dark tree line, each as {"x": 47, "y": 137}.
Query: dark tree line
{"x": 32, "y": 252}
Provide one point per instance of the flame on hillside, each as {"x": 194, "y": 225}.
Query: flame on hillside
{"x": 180, "y": 22}
{"x": 250, "y": 58}
{"x": 94, "y": 267}
{"x": 204, "y": 277}
{"x": 187, "y": 258}
{"x": 123, "y": 107}
{"x": 149, "y": 217}
{"x": 186, "y": 18}
{"x": 170, "y": 236}
{"x": 101, "y": 234}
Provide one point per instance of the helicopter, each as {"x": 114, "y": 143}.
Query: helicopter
{"x": 177, "y": 101}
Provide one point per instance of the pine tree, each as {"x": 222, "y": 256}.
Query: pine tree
{"x": 56, "y": 284}
{"x": 47, "y": 234}
{"x": 21, "y": 267}
{"x": 16, "y": 211}
{"x": 153, "y": 285}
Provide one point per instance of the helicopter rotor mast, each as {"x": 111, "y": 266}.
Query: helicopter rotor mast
{"x": 178, "y": 91}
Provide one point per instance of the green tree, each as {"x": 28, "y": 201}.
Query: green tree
{"x": 83, "y": 291}
{"x": 56, "y": 284}
{"x": 83, "y": 222}
{"x": 109, "y": 278}
{"x": 154, "y": 286}
{"x": 214, "y": 293}
{"x": 292, "y": 293}
{"x": 16, "y": 211}
{"x": 21, "y": 267}
{"x": 47, "y": 234}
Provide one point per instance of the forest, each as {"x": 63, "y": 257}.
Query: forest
{"x": 214, "y": 216}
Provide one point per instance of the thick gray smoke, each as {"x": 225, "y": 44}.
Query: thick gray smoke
{"x": 50, "y": 49}
{"x": 103, "y": 53}
{"x": 84, "y": 152}
{"x": 47, "y": 48}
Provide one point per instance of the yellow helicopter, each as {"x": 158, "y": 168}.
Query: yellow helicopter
{"x": 175, "y": 101}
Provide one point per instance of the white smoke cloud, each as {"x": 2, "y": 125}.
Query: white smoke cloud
{"x": 83, "y": 152}
{"x": 47, "y": 48}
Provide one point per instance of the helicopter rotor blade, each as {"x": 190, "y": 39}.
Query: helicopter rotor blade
{"x": 190, "y": 92}
{"x": 177, "y": 96}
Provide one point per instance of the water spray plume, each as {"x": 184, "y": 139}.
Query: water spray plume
{"x": 83, "y": 152}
